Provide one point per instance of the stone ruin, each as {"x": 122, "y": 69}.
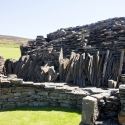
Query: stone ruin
{"x": 89, "y": 59}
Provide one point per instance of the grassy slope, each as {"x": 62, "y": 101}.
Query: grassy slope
{"x": 41, "y": 116}
{"x": 9, "y": 46}
{"x": 17, "y": 40}
{"x": 9, "y": 49}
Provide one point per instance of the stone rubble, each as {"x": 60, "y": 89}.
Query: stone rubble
{"x": 81, "y": 70}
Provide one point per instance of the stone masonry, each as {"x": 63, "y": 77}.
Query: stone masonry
{"x": 65, "y": 68}
{"x": 100, "y": 104}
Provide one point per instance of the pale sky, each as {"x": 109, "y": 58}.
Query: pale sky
{"x": 29, "y": 18}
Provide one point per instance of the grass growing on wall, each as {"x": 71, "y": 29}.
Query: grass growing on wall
{"x": 40, "y": 116}
{"x": 9, "y": 49}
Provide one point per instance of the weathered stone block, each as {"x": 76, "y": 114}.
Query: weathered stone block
{"x": 43, "y": 93}
{"x": 43, "y": 103}
{"x": 54, "y": 94}
{"x": 54, "y": 104}
{"x": 27, "y": 84}
{"x": 1, "y": 102}
{"x": 17, "y": 81}
{"x": 21, "y": 103}
{"x": 89, "y": 110}
{"x": 67, "y": 101}
{"x": 9, "y": 95}
{"x": 15, "y": 99}
{"x": 35, "y": 96}
{"x": 38, "y": 90}
{"x": 38, "y": 104}
{"x": 27, "y": 98}
{"x": 4, "y": 90}
{"x": 17, "y": 94}
{"x": 65, "y": 105}
{"x": 60, "y": 89}
{"x": 122, "y": 38}
{"x": 70, "y": 96}
{"x": 62, "y": 96}
{"x": 104, "y": 123}
{"x": 50, "y": 87}
{"x": 28, "y": 90}
{"x": 17, "y": 89}
{"x": 25, "y": 94}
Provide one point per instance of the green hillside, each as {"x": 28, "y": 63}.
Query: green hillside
{"x": 9, "y": 46}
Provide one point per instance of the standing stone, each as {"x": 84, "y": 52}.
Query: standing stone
{"x": 105, "y": 65}
{"x": 61, "y": 55}
{"x": 112, "y": 84}
{"x": 121, "y": 64}
{"x": 89, "y": 110}
{"x": 60, "y": 65}
{"x": 122, "y": 100}
{"x": 51, "y": 73}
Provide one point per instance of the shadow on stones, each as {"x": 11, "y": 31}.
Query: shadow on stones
{"x": 47, "y": 108}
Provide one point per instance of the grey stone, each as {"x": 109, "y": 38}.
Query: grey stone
{"x": 17, "y": 81}
{"x": 20, "y": 104}
{"x": 122, "y": 38}
{"x": 89, "y": 110}
{"x": 44, "y": 93}
{"x": 17, "y": 94}
{"x": 112, "y": 84}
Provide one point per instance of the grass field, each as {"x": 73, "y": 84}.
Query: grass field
{"x": 40, "y": 116}
{"x": 9, "y": 49}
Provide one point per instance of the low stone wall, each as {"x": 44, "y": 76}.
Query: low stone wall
{"x": 104, "y": 103}
{"x": 15, "y": 92}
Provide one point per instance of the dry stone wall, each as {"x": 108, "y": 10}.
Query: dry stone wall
{"x": 15, "y": 92}
{"x": 80, "y": 69}
{"x": 99, "y": 46}
{"x": 103, "y": 35}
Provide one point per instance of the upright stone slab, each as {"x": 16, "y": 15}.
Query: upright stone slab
{"x": 122, "y": 100}
{"x": 89, "y": 110}
{"x": 1, "y": 65}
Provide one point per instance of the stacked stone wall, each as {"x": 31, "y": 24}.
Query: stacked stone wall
{"x": 15, "y": 92}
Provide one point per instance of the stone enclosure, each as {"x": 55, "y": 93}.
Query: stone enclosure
{"x": 104, "y": 103}
{"x": 77, "y": 67}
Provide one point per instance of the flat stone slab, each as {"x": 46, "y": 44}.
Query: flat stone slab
{"x": 70, "y": 89}
{"x": 17, "y": 81}
{"x": 122, "y": 87}
{"x": 50, "y": 87}
{"x": 105, "y": 123}
{"x": 12, "y": 76}
{"x": 28, "y": 82}
{"x": 83, "y": 93}
{"x": 58, "y": 84}
{"x": 95, "y": 90}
